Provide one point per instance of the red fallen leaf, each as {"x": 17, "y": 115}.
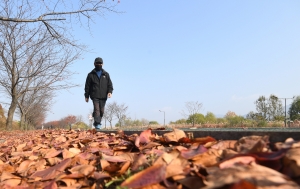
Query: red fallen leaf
{"x": 145, "y": 136}
{"x": 124, "y": 168}
{"x": 149, "y": 176}
{"x": 268, "y": 159}
{"x": 70, "y": 176}
{"x": 190, "y": 153}
{"x": 112, "y": 168}
{"x": 86, "y": 140}
{"x": 184, "y": 140}
{"x": 52, "y": 172}
{"x": 241, "y": 184}
{"x": 203, "y": 140}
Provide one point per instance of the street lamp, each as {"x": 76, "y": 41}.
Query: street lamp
{"x": 285, "y": 109}
{"x": 164, "y": 117}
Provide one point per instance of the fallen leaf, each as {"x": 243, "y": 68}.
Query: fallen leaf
{"x": 145, "y": 136}
{"x": 190, "y": 153}
{"x": 148, "y": 176}
{"x": 174, "y": 136}
{"x": 51, "y": 172}
{"x": 86, "y": 170}
{"x": 225, "y": 144}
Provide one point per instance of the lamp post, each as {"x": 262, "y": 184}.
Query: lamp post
{"x": 164, "y": 117}
{"x": 285, "y": 109}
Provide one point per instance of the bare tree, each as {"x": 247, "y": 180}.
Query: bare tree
{"x": 193, "y": 108}
{"x": 33, "y": 106}
{"x": 37, "y": 46}
{"x": 31, "y": 60}
{"x": 35, "y": 117}
{"x": 79, "y": 118}
{"x": 105, "y": 117}
{"x": 56, "y": 16}
{"x": 121, "y": 113}
{"x": 110, "y": 111}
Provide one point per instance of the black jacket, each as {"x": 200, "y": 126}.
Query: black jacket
{"x": 98, "y": 88}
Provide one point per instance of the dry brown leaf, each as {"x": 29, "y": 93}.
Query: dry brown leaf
{"x": 258, "y": 175}
{"x": 51, "y": 172}
{"x": 54, "y": 160}
{"x": 8, "y": 176}
{"x": 20, "y": 147}
{"x": 225, "y": 144}
{"x": 151, "y": 175}
{"x": 121, "y": 158}
{"x": 7, "y": 168}
{"x": 246, "y": 160}
{"x": 174, "y": 136}
{"x": 145, "y": 136}
{"x": 124, "y": 167}
{"x": 98, "y": 175}
{"x": 83, "y": 169}
{"x": 291, "y": 162}
{"x": 149, "y": 145}
{"x": 13, "y": 183}
{"x": 51, "y": 153}
{"x": 23, "y": 167}
{"x": 88, "y": 167}
{"x": 70, "y": 182}
{"x": 252, "y": 144}
{"x": 192, "y": 182}
{"x": 139, "y": 162}
{"x": 190, "y": 153}
{"x": 61, "y": 139}
{"x": 209, "y": 158}
{"x": 75, "y": 151}
{"x": 67, "y": 154}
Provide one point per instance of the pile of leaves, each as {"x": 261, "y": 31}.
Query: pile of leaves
{"x": 74, "y": 159}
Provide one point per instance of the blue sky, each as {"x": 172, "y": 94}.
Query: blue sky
{"x": 161, "y": 54}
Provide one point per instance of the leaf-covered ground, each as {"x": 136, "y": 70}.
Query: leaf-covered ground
{"x": 70, "y": 159}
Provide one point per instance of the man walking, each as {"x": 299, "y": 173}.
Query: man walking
{"x": 98, "y": 87}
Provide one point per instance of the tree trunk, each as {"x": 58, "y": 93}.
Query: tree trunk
{"x": 10, "y": 114}
{"x": 22, "y": 122}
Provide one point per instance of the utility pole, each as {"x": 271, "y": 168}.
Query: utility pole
{"x": 285, "y": 109}
{"x": 164, "y": 117}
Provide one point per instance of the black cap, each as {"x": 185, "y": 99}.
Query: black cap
{"x": 98, "y": 60}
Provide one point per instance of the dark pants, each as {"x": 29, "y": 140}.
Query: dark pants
{"x": 98, "y": 110}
